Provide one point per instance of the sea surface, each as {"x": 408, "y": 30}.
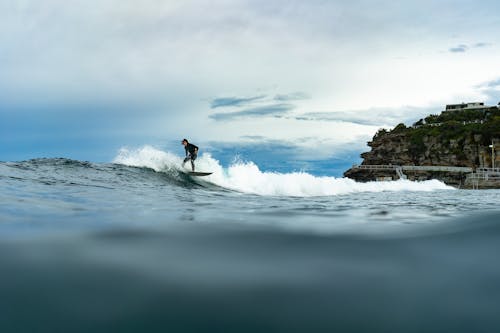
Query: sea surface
{"x": 137, "y": 245}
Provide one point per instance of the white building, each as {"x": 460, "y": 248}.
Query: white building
{"x": 476, "y": 106}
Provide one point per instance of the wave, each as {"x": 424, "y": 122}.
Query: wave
{"x": 246, "y": 177}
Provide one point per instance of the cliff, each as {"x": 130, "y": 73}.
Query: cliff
{"x": 460, "y": 138}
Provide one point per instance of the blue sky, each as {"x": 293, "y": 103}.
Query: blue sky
{"x": 305, "y": 83}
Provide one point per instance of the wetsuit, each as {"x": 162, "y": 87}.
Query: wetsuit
{"x": 191, "y": 154}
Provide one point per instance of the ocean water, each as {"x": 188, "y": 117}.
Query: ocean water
{"x": 137, "y": 245}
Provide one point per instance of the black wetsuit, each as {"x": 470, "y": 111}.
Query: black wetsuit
{"x": 191, "y": 154}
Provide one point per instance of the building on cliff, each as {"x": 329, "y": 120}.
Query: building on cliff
{"x": 474, "y": 106}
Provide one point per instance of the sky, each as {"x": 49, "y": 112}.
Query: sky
{"x": 290, "y": 85}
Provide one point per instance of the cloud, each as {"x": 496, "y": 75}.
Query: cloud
{"x": 267, "y": 110}
{"x": 244, "y": 101}
{"x": 479, "y": 45}
{"x": 493, "y": 83}
{"x": 459, "y": 49}
{"x": 297, "y": 96}
{"x": 252, "y": 137}
{"x": 491, "y": 91}
{"x": 234, "y": 101}
{"x": 489, "y": 84}
{"x": 170, "y": 54}
{"x": 373, "y": 116}
{"x": 464, "y": 47}
{"x": 275, "y": 106}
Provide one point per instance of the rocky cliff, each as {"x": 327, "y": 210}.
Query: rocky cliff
{"x": 454, "y": 138}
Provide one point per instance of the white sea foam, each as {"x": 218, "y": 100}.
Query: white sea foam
{"x": 148, "y": 157}
{"x": 246, "y": 177}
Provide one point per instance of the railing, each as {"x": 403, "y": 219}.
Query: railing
{"x": 495, "y": 170}
{"x": 375, "y": 167}
{"x": 436, "y": 168}
{"x": 440, "y": 168}
{"x": 483, "y": 176}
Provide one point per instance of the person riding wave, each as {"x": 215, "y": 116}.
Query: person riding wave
{"x": 191, "y": 152}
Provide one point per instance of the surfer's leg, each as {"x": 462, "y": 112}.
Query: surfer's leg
{"x": 193, "y": 157}
{"x": 185, "y": 160}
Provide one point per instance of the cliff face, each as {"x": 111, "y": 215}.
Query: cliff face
{"x": 397, "y": 149}
{"x": 459, "y": 138}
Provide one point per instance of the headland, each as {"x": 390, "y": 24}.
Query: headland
{"x": 459, "y": 146}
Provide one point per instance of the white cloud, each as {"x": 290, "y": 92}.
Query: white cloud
{"x": 178, "y": 55}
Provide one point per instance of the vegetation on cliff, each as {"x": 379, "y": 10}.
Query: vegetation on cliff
{"x": 451, "y": 130}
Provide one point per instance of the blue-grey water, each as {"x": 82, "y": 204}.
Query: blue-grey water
{"x": 88, "y": 247}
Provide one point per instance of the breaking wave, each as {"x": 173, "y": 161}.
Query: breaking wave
{"x": 246, "y": 177}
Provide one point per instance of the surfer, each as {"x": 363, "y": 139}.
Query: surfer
{"x": 191, "y": 152}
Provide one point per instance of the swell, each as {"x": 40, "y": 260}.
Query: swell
{"x": 68, "y": 172}
{"x": 150, "y": 167}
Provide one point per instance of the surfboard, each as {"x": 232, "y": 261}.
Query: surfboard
{"x": 200, "y": 174}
